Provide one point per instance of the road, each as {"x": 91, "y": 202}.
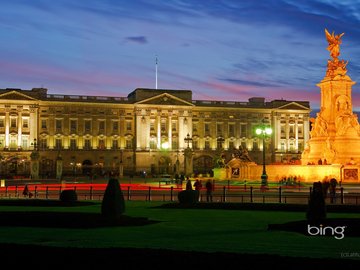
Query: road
{"x": 150, "y": 189}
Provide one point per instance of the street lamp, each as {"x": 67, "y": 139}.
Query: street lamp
{"x": 165, "y": 145}
{"x": 34, "y": 144}
{"x": 188, "y": 156}
{"x": 121, "y": 165}
{"x": 188, "y": 139}
{"x": 264, "y": 131}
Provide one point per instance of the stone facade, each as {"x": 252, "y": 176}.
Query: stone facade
{"x": 143, "y": 132}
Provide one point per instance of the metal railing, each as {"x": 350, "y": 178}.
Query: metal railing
{"x": 220, "y": 194}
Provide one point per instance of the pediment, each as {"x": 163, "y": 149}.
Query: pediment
{"x": 293, "y": 106}
{"x": 15, "y": 95}
{"x": 165, "y": 99}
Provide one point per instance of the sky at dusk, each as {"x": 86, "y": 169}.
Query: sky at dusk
{"x": 220, "y": 49}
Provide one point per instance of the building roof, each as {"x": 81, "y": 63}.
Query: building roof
{"x": 143, "y": 94}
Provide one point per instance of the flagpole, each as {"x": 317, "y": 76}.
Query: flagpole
{"x": 156, "y": 71}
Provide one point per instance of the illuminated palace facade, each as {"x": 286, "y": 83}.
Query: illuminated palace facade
{"x": 143, "y": 132}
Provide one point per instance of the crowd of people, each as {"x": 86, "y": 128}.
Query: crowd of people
{"x": 209, "y": 186}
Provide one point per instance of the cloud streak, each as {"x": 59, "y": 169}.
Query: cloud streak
{"x": 222, "y": 50}
{"x": 138, "y": 39}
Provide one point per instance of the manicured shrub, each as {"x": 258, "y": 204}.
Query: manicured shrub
{"x": 188, "y": 196}
{"x": 113, "y": 203}
{"x": 316, "y": 212}
{"x": 68, "y": 195}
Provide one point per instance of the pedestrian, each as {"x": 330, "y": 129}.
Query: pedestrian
{"x": 188, "y": 184}
{"x": 198, "y": 185}
{"x": 26, "y": 191}
{"x": 209, "y": 189}
{"x": 333, "y": 184}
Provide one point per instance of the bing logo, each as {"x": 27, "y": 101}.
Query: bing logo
{"x": 337, "y": 232}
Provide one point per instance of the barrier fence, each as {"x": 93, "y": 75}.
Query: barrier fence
{"x": 237, "y": 194}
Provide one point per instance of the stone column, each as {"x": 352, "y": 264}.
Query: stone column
{"x": 170, "y": 131}
{"x": 19, "y": 122}
{"x": 296, "y": 135}
{"x": 139, "y": 131}
{"x": 7, "y": 129}
{"x": 33, "y": 123}
{"x": 158, "y": 118}
{"x": 34, "y": 171}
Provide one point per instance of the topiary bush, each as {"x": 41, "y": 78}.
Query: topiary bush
{"x": 68, "y": 195}
{"x": 188, "y": 196}
{"x": 316, "y": 212}
{"x": 113, "y": 203}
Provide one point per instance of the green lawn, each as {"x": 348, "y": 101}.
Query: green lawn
{"x": 239, "y": 231}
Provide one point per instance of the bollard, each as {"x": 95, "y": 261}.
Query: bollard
{"x": 279, "y": 194}
{"x": 35, "y": 192}
{"x": 91, "y": 192}
{"x": 128, "y": 193}
{"x": 224, "y": 194}
{"x": 149, "y": 194}
{"x": 251, "y": 194}
{"x": 47, "y": 192}
{"x": 342, "y": 195}
{"x": 171, "y": 193}
{"x": 16, "y": 191}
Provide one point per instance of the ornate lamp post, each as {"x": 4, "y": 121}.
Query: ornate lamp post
{"x": 34, "y": 144}
{"x": 188, "y": 153}
{"x": 188, "y": 140}
{"x": 121, "y": 165}
{"x": 264, "y": 131}
{"x": 34, "y": 157}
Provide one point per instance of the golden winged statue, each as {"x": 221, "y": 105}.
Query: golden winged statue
{"x": 334, "y": 43}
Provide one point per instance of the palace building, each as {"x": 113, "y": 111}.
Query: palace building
{"x": 143, "y": 133}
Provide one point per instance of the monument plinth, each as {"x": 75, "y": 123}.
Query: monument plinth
{"x": 335, "y": 132}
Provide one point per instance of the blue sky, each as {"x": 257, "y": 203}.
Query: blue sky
{"x": 219, "y": 49}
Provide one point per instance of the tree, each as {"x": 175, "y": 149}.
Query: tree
{"x": 113, "y": 203}
{"x": 316, "y": 213}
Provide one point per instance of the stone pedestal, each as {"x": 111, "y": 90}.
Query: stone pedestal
{"x": 59, "y": 168}
{"x": 188, "y": 161}
{"x": 121, "y": 169}
{"x": 335, "y": 132}
{"x": 34, "y": 163}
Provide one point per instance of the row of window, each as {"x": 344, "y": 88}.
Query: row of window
{"x": 88, "y": 124}
{"x": 115, "y": 126}
{"x": 14, "y": 122}
{"x": 43, "y": 144}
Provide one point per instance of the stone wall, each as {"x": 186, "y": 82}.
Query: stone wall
{"x": 304, "y": 173}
